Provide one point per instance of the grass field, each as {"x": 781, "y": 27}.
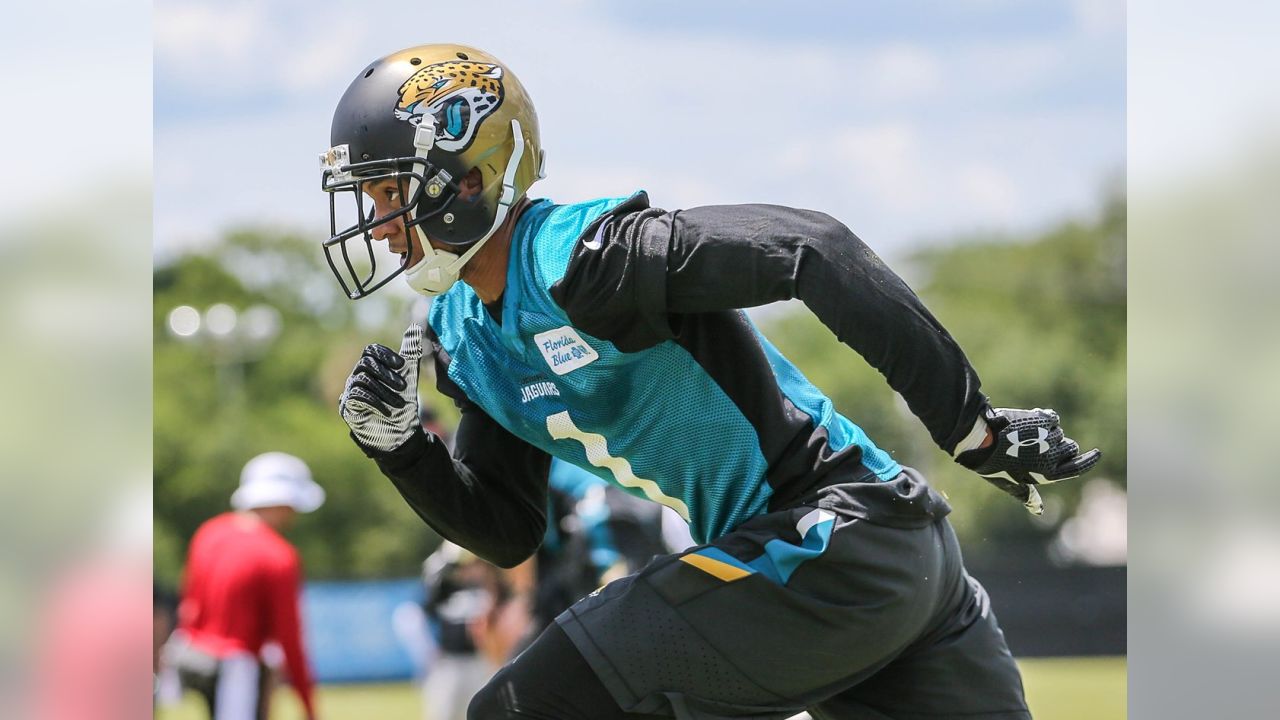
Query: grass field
{"x": 1057, "y": 689}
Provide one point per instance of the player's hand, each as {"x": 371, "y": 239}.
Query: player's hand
{"x": 380, "y": 401}
{"x": 1028, "y": 449}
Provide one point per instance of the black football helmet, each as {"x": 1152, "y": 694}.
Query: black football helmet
{"x": 425, "y": 117}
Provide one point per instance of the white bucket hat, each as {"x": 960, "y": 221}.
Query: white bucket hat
{"x": 275, "y": 478}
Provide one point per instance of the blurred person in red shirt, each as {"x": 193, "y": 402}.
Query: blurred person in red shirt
{"x": 90, "y": 654}
{"x": 241, "y": 592}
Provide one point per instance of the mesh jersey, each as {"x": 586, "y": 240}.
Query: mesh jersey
{"x": 653, "y": 421}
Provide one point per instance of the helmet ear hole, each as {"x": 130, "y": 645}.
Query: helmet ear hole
{"x": 471, "y": 184}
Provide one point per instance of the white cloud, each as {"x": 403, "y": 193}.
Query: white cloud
{"x": 989, "y": 191}
{"x": 885, "y": 163}
{"x": 208, "y": 42}
{"x": 313, "y": 65}
{"x": 1001, "y": 71}
{"x": 793, "y": 157}
{"x": 230, "y": 49}
{"x": 904, "y": 72}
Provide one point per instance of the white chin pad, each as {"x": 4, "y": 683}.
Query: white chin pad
{"x": 434, "y": 273}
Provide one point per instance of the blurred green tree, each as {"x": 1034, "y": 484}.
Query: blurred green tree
{"x": 214, "y": 409}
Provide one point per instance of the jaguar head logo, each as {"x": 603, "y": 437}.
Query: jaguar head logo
{"x": 457, "y": 94}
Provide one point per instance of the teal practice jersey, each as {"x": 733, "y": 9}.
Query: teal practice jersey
{"x": 710, "y": 421}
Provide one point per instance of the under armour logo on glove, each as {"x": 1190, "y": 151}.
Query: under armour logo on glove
{"x": 1030, "y": 449}
{"x": 1015, "y": 445}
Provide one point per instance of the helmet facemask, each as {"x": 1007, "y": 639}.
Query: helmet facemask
{"x": 426, "y": 192}
{"x": 430, "y": 192}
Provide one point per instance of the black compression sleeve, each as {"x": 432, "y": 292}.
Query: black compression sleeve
{"x": 742, "y": 256}
{"x": 489, "y": 497}
{"x": 663, "y": 265}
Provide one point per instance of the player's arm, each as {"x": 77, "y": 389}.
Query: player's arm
{"x": 653, "y": 266}
{"x": 489, "y": 496}
{"x": 643, "y": 268}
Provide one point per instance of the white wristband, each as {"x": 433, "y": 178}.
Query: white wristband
{"x": 974, "y": 439}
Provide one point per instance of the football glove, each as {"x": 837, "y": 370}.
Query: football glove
{"x": 1029, "y": 449}
{"x": 380, "y": 400}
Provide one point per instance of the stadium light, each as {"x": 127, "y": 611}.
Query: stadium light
{"x": 184, "y": 321}
{"x": 233, "y": 335}
{"x": 220, "y": 319}
{"x": 229, "y": 340}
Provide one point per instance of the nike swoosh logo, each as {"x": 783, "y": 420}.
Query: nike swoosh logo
{"x": 597, "y": 242}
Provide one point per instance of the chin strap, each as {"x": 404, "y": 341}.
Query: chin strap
{"x": 438, "y": 270}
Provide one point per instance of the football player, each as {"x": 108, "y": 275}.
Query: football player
{"x": 610, "y": 334}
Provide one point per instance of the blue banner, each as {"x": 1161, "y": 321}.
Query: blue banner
{"x": 364, "y": 631}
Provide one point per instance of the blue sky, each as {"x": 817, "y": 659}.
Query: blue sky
{"x": 910, "y": 121}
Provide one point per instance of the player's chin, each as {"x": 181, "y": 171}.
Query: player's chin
{"x": 411, "y": 258}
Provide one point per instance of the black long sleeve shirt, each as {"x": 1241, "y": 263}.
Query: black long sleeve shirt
{"x": 640, "y": 276}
